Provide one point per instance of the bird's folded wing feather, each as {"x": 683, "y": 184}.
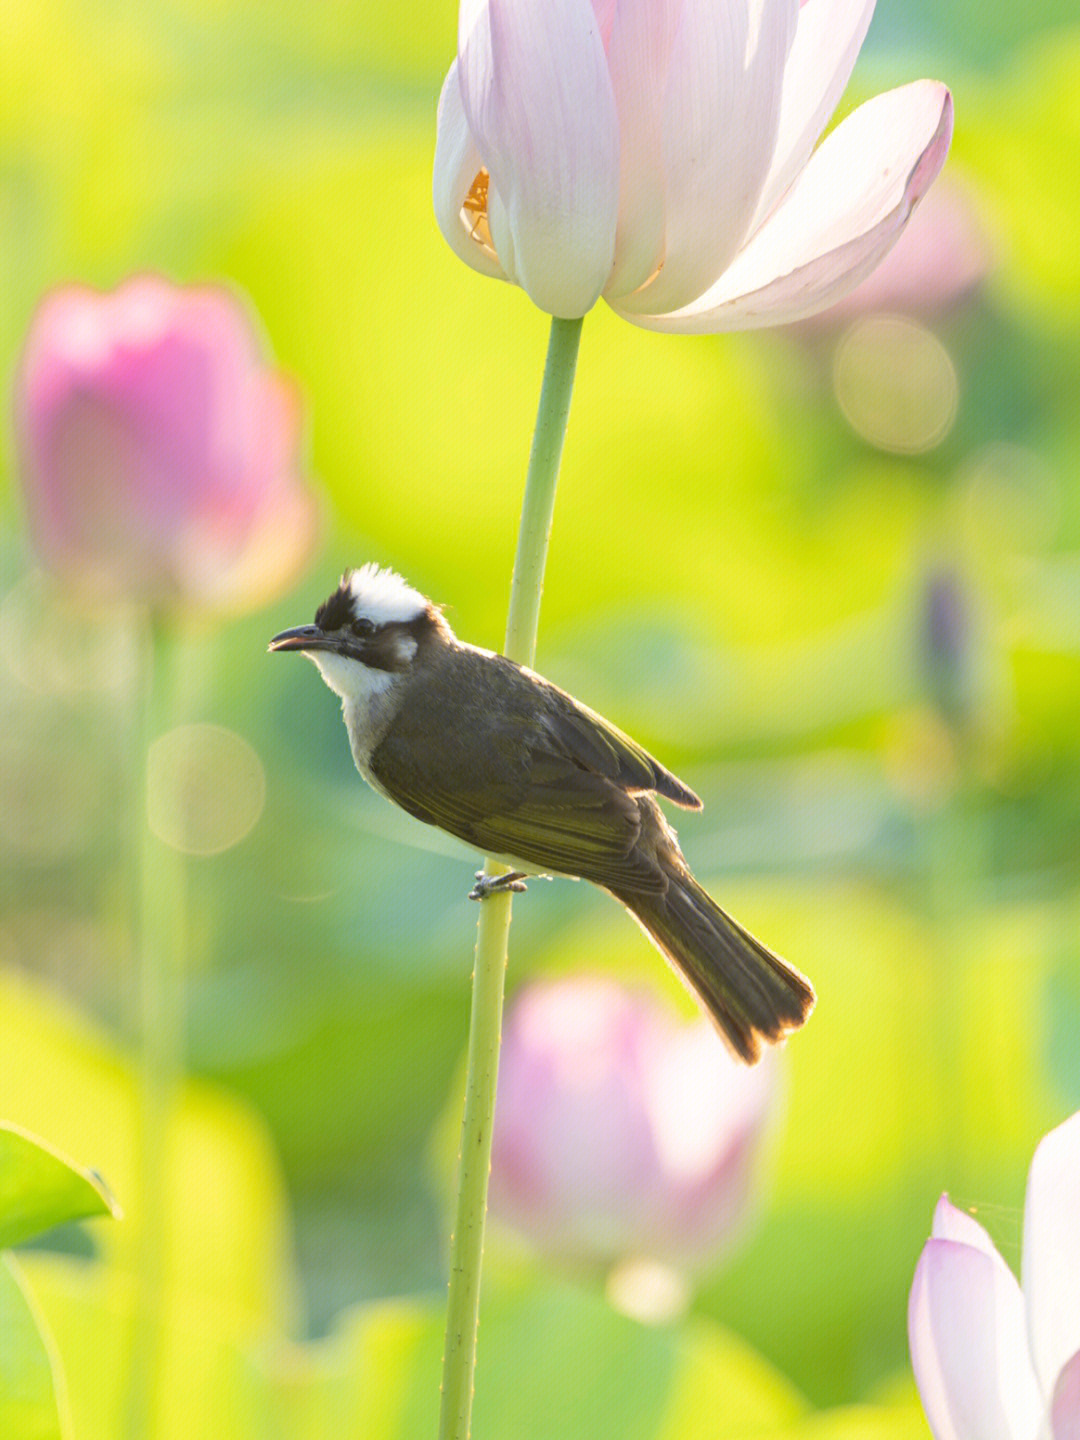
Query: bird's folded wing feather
{"x": 548, "y": 809}
{"x": 590, "y": 741}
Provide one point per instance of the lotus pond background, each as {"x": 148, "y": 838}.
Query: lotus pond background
{"x": 755, "y": 542}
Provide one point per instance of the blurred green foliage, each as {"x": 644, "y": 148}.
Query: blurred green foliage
{"x": 736, "y": 577}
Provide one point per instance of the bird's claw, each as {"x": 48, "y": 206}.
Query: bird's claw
{"x": 513, "y": 881}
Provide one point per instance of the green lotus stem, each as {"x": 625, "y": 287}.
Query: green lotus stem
{"x": 160, "y": 951}
{"x": 493, "y": 928}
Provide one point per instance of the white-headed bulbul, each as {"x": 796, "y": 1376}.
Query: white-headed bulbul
{"x": 467, "y": 740}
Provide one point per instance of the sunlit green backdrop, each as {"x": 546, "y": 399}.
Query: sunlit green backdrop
{"x": 737, "y": 577}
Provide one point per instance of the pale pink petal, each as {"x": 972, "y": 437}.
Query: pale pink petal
{"x": 280, "y": 536}
{"x": 605, "y": 12}
{"x": 1065, "y": 1404}
{"x": 968, "y": 1346}
{"x": 457, "y": 166}
{"x": 537, "y": 94}
{"x": 639, "y": 53}
{"x": 281, "y": 542}
{"x": 711, "y": 1170}
{"x": 938, "y": 261}
{"x": 573, "y": 1152}
{"x": 827, "y": 42}
{"x": 839, "y": 219}
{"x": 1052, "y": 1251}
{"x": 720, "y": 117}
{"x": 953, "y": 1224}
{"x": 502, "y": 235}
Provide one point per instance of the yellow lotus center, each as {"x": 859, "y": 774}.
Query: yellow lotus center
{"x": 474, "y": 213}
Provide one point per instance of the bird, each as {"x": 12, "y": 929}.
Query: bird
{"x": 467, "y": 740}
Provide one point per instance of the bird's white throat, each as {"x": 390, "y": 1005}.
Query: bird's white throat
{"x": 368, "y": 702}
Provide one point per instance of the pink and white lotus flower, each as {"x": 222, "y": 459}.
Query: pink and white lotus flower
{"x": 622, "y": 1133}
{"x": 992, "y": 1359}
{"x": 661, "y": 154}
{"x": 159, "y": 449}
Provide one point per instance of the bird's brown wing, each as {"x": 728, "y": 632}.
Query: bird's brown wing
{"x": 535, "y": 804}
{"x": 515, "y": 766}
{"x": 592, "y": 742}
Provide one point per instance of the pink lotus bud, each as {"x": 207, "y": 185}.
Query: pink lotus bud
{"x": 989, "y": 1357}
{"x": 158, "y": 449}
{"x": 664, "y": 154}
{"x": 621, "y": 1133}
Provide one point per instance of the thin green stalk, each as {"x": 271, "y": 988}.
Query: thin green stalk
{"x": 493, "y": 928}
{"x": 160, "y": 949}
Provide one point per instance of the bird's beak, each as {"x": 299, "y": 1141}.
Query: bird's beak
{"x": 304, "y": 637}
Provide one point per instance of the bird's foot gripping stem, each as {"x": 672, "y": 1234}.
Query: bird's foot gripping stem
{"x": 486, "y": 885}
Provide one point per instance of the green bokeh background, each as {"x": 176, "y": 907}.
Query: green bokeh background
{"x": 736, "y": 577}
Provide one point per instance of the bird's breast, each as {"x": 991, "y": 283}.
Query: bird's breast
{"x": 367, "y": 718}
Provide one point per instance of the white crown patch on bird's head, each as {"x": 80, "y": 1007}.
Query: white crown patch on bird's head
{"x": 382, "y": 596}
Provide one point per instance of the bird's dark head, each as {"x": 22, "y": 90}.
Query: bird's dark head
{"x": 369, "y": 630}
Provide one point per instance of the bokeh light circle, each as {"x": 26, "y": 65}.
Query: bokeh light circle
{"x": 896, "y": 384}
{"x": 206, "y": 788}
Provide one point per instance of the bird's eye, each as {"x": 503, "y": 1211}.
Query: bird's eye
{"x": 362, "y": 627}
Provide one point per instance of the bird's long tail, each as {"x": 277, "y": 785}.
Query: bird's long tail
{"x": 751, "y": 994}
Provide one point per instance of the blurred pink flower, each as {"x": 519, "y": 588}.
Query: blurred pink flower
{"x": 159, "y": 451}
{"x": 660, "y": 153}
{"x": 621, "y": 1133}
{"x": 942, "y": 256}
{"x": 991, "y": 1359}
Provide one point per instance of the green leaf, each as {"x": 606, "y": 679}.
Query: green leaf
{"x": 40, "y": 1188}
{"x": 864, "y": 1422}
{"x": 29, "y": 1383}
{"x": 208, "y": 1384}
{"x": 555, "y": 1363}
{"x": 722, "y": 1386}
